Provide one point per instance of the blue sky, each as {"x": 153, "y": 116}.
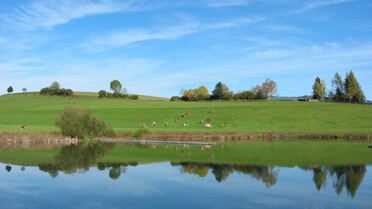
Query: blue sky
{"x": 157, "y": 47}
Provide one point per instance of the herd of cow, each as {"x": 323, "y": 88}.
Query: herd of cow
{"x": 207, "y": 122}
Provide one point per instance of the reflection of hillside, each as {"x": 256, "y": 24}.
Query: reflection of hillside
{"x": 343, "y": 176}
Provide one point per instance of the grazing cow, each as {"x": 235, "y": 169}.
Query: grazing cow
{"x": 188, "y": 113}
{"x": 176, "y": 120}
{"x": 208, "y": 125}
{"x": 183, "y": 115}
{"x": 142, "y": 125}
{"x": 166, "y": 123}
{"x": 154, "y": 124}
{"x": 211, "y": 111}
{"x": 207, "y": 147}
{"x": 202, "y": 121}
{"x": 24, "y": 127}
{"x": 222, "y": 124}
{"x": 186, "y": 124}
{"x": 209, "y": 120}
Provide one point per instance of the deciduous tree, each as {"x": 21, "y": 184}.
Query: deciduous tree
{"x": 115, "y": 86}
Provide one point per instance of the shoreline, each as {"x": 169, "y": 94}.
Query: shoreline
{"x": 204, "y": 137}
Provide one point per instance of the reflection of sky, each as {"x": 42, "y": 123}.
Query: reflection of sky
{"x": 161, "y": 185}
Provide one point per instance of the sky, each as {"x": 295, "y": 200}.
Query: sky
{"x": 158, "y": 47}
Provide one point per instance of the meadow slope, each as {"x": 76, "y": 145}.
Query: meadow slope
{"x": 38, "y": 112}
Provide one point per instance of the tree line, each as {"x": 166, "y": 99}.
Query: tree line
{"x": 343, "y": 90}
{"x": 222, "y": 92}
{"x": 118, "y": 92}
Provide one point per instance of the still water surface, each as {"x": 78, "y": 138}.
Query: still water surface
{"x": 181, "y": 185}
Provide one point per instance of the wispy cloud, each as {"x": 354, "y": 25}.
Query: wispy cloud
{"x": 46, "y": 14}
{"x": 122, "y": 38}
{"x": 321, "y": 3}
{"x": 226, "y": 3}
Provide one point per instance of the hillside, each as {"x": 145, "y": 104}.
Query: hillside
{"x": 38, "y": 112}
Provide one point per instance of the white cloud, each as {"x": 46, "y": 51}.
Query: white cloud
{"x": 316, "y": 4}
{"x": 118, "y": 39}
{"x": 47, "y": 14}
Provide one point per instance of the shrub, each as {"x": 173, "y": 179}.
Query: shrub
{"x": 133, "y": 97}
{"x": 244, "y": 95}
{"x": 102, "y": 94}
{"x": 175, "y": 98}
{"x": 140, "y": 132}
{"x": 77, "y": 122}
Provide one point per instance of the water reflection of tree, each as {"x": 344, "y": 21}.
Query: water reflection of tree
{"x": 347, "y": 176}
{"x": 75, "y": 158}
{"x": 343, "y": 176}
{"x": 266, "y": 174}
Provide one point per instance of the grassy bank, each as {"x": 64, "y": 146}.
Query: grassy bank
{"x": 255, "y": 153}
{"x": 282, "y": 117}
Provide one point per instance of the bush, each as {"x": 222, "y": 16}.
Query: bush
{"x": 58, "y": 92}
{"x": 77, "y": 122}
{"x": 175, "y": 98}
{"x": 133, "y": 97}
{"x": 140, "y": 132}
{"x": 102, "y": 94}
{"x": 244, "y": 95}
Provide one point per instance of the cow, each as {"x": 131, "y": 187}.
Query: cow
{"x": 166, "y": 123}
{"x": 208, "y": 125}
{"x": 183, "y": 115}
{"x": 202, "y": 121}
{"x": 186, "y": 124}
{"x": 142, "y": 125}
{"x": 176, "y": 120}
{"x": 188, "y": 113}
{"x": 24, "y": 127}
{"x": 209, "y": 120}
{"x": 222, "y": 124}
{"x": 154, "y": 124}
{"x": 211, "y": 111}
{"x": 207, "y": 147}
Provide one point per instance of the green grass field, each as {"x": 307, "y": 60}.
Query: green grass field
{"x": 256, "y": 153}
{"x": 38, "y": 112}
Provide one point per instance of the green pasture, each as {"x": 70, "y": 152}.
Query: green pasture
{"x": 287, "y": 153}
{"x": 38, "y": 112}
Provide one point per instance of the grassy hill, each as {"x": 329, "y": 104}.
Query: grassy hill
{"x": 38, "y": 112}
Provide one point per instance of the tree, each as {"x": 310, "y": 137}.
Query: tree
{"x": 258, "y": 92}
{"x": 338, "y": 88}
{"x": 102, "y": 94}
{"x": 221, "y": 91}
{"x": 24, "y": 90}
{"x": 115, "y": 86}
{"x": 200, "y": 93}
{"x": 316, "y": 88}
{"x": 10, "y": 89}
{"x": 269, "y": 88}
{"x": 54, "y": 86}
{"x": 353, "y": 91}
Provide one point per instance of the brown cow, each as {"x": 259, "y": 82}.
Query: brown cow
{"x": 202, "y": 121}
{"x": 186, "y": 124}
{"x": 209, "y": 120}
{"x": 188, "y": 113}
{"x": 154, "y": 124}
{"x": 166, "y": 123}
{"x": 142, "y": 125}
{"x": 24, "y": 127}
{"x": 211, "y": 111}
{"x": 222, "y": 124}
{"x": 176, "y": 120}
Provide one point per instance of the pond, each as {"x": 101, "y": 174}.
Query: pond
{"x": 95, "y": 175}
